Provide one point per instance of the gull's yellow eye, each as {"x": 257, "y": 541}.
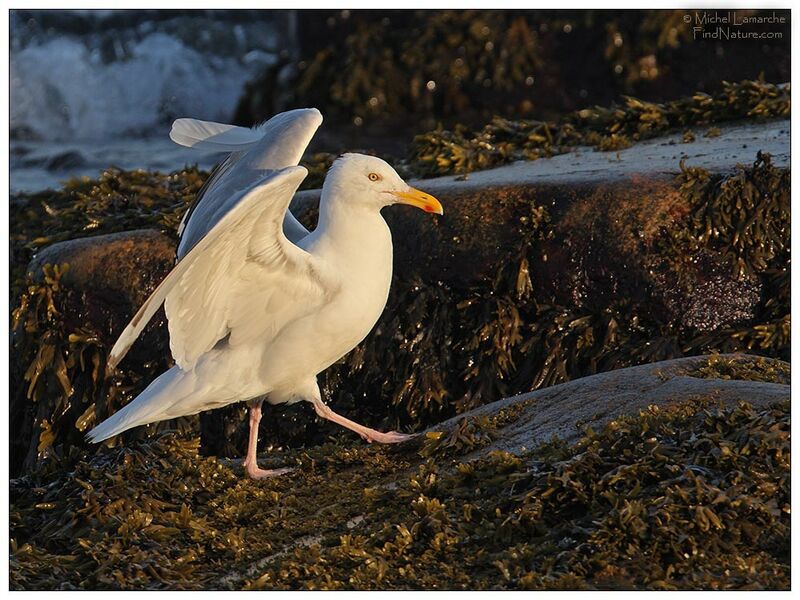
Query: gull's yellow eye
{"x": 374, "y": 177}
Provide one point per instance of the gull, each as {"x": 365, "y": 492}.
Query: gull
{"x": 256, "y": 305}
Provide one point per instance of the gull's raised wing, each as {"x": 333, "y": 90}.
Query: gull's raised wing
{"x": 207, "y": 135}
{"x": 276, "y": 144}
{"x": 244, "y": 253}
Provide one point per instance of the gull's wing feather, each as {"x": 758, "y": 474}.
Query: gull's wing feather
{"x": 280, "y": 143}
{"x": 216, "y": 174}
{"x": 206, "y": 135}
{"x": 246, "y": 245}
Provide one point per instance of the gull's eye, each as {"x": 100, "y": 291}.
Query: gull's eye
{"x": 374, "y": 177}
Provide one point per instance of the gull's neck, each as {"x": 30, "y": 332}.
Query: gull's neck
{"x": 350, "y": 229}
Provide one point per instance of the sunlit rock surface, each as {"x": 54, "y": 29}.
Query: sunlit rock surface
{"x": 564, "y": 411}
{"x": 122, "y": 267}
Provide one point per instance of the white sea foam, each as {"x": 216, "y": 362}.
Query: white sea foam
{"x": 63, "y": 90}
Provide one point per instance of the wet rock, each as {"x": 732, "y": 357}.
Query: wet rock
{"x": 119, "y": 267}
{"x": 66, "y": 160}
{"x": 107, "y": 279}
{"x": 711, "y": 298}
{"x": 564, "y": 411}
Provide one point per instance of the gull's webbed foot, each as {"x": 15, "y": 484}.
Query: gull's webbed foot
{"x": 251, "y": 462}
{"x": 370, "y": 435}
{"x": 253, "y": 472}
{"x": 390, "y": 437}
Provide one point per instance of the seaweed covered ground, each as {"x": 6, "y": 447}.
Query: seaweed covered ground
{"x": 691, "y": 495}
{"x": 605, "y": 128}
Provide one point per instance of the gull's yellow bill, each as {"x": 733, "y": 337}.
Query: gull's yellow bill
{"x": 420, "y": 199}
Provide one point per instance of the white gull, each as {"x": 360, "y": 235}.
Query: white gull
{"x": 256, "y": 305}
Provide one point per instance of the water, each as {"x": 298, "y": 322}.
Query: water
{"x": 39, "y": 165}
{"x": 91, "y": 89}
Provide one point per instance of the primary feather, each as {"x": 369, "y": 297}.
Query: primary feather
{"x": 206, "y": 135}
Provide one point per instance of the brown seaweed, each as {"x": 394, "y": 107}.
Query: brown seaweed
{"x": 611, "y": 128}
{"x": 690, "y": 496}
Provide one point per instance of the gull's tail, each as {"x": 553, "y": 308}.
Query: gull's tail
{"x": 152, "y": 405}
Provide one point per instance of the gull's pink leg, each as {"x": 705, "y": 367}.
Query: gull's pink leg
{"x": 391, "y": 437}
{"x": 250, "y": 463}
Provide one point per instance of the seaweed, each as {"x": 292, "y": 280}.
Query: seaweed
{"x": 748, "y": 369}
{"x": 687, "y": 496}
{"x": 59, "y": 386}
{"x": 317, "y": 165}
{"x": 466, "y": 65}
{"x": 612, "y": 128}
{"x": 746, "y": 217}
{"x": 405, "y": 63}
{"x": 471, "y": 433}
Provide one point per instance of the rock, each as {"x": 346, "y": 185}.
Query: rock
{"x": 718, "y": 300}
{"x": 108, "y": 278}
{"x": 606, "y": 213}
{"x": 119, "y": 266}
{"x": 61, "y": 160}
{"x": 565, "y": 410}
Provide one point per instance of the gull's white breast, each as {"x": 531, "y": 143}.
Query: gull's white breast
{"x": 363, "y": 264}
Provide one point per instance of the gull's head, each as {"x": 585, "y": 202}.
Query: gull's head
{"x": 368, "y": 180}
